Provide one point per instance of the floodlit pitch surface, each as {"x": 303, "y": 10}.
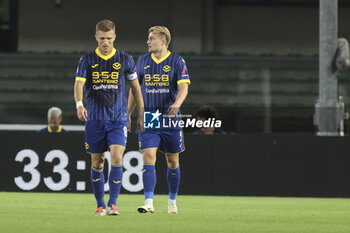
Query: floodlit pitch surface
{"x": 60, "y": 212}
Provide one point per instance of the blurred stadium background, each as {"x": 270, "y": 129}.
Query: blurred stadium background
{"x": 256, "y": 61}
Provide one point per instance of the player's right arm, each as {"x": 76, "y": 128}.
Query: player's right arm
{"x": 80, "y": 78}
{"x": 78, "y": 96}
{"x": 136, "y": 92}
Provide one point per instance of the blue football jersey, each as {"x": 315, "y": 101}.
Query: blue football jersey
{"x": 160, "y": 79}
{"x": 105, "y": 83}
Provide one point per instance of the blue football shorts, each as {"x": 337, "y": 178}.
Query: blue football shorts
{"x": 167, "y": 141}
{"x": 100, "y": 135}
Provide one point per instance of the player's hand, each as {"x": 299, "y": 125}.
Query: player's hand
{"x": 129, "y": 124}
{"x": 82, "y": 113}
{"x": 173, "y": 110}
{"x": 140, "y": 124}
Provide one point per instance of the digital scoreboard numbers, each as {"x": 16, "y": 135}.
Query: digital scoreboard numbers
{"x": 59, "y": 171}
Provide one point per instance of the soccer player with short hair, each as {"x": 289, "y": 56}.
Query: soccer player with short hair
{"x": 54, "y": 119}
{"x": 165, "y": 81}
{"x": 103, "y": 73}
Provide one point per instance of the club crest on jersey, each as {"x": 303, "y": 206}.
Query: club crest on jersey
{"x": 166, "y": 68}
{"x": 117, "y": 66}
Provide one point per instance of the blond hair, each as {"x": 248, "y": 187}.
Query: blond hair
{"x": 105, "y": 26}
{"x": 54, "y": 112}
{"x": 162, "y": 31}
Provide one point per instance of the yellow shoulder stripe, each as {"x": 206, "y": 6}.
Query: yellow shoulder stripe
{"x": 184, "y": 81}
{"x": 80, "y": 79}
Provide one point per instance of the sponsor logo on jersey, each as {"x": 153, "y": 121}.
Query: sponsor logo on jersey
{"x": 156, "y": 80}
{"x": 157, "y": 91}
{"x": 105, "y": 77}
{"x": 104, "y": 87}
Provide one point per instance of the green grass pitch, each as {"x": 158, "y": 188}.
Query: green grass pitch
{"x": 61, "y": 212}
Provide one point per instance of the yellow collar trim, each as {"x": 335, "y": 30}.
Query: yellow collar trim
{"x": 162, "y": 59}
{"x": 58, "y": 131}
{"x": 105, "y": 57}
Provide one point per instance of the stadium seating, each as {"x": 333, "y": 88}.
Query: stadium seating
{"x": 31, "y": 83}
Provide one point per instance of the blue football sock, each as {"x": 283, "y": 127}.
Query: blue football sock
{"x": 115, "y": 182}
{"x": 98, "y": 185}
{"x": 173, "y": 177}
{"x": 149, "y": 180}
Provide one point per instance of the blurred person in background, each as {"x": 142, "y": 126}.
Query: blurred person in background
{"x": 204, "y": 113}
{"x": 54, "y": 119}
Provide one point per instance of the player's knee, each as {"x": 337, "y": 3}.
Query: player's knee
{"x": 172, "y": 160}
{"x": 117, "y": 155}
{"x": 97, "y": 160}
{"x": 98, "y": 164}
{"x": 173, "y": 164}
{"x": 149, "y": 158}
{"x": 118, "y": 159}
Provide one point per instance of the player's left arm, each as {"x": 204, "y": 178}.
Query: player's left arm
{"x": 135, "y": 95}
{"x": 183, "y": 81}
{"x": 180, "y": 98}
{"x": 131, "y": 107}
